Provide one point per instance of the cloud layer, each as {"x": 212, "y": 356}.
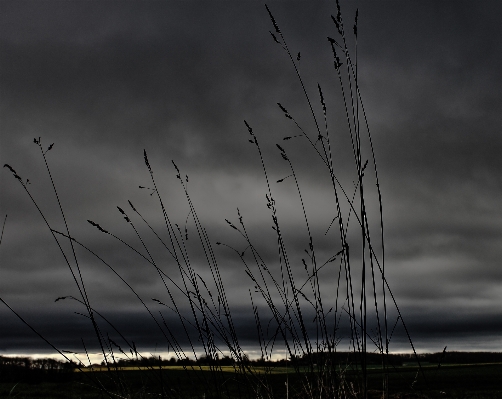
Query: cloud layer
{"x": 104, "y": 82}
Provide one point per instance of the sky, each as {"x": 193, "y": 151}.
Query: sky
{"x": 105, "y": 81}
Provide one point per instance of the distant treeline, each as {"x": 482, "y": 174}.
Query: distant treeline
{"x": 159, "y": 361}
{"x": 324, "y": 358}
{"x": 306, "y": 360}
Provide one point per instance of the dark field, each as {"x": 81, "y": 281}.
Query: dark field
{"x": 462, "y": 381}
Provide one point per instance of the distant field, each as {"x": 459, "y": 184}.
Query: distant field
{"x": 229, "y": 369}
{"x": 284, "y": 370}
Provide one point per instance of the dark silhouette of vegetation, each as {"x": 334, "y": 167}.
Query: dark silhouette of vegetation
{"x": 15, "y": 369}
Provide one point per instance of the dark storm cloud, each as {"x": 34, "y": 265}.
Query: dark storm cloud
{"x": 440, "y": 74}
{"x": 171, "y": 73}
{"x": 103, "y": 81}
{"x": 430, "y": 331}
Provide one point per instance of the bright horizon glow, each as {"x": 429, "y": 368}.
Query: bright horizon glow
{"x": 96, "y": 358}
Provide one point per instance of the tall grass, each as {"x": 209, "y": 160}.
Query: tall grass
{"x": 307, "y": 307}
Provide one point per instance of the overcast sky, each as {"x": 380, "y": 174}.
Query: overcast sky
{"x": 105, "y": 81}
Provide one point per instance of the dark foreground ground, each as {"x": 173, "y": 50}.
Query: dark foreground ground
{"x": 462, "y": 381}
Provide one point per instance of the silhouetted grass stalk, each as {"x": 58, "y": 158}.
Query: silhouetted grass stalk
{"x": 208, "y": 314}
